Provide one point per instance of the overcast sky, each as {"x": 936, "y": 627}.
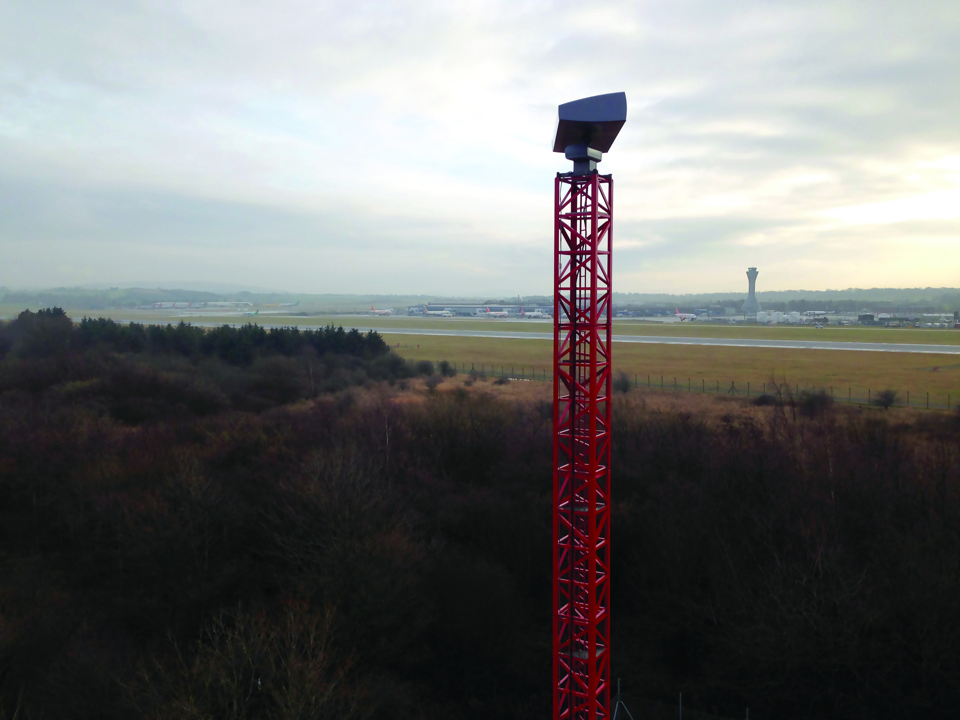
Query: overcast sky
{"x": 405, "y": 147}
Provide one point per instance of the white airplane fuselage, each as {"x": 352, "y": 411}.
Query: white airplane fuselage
{"x": 497, "y": 314}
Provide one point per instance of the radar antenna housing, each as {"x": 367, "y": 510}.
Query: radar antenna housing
{"x": 586, "y": 129}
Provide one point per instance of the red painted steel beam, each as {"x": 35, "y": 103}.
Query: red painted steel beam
{"x": 581, "y": 450}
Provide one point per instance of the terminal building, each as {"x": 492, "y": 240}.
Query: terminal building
{"x": 474, "y": 309}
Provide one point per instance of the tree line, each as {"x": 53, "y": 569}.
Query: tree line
{"x": 50, "y": 331}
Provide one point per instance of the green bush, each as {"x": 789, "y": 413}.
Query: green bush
{"x": 424, "y": 367}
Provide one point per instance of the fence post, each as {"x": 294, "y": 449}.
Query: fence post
{"x": 703, "y": 385}
{"x": 718, "y": 387}
{"x": 634, "y": 379}
{"x": 849, "y": 396}
{"x": 661, "y": 382}
{"x": 928, "y": 401}
{"x": 688, "y": 384}
{"x": 748, "y": 388}
{"x": 908, "y": 398}
{"x": 868, "y": 396}
{"x": 764, "y": 388}
{"x": 648, "y": 381}
{"x": 674, "y": 384}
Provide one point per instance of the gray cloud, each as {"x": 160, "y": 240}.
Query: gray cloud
{"x": 405, "y": 144}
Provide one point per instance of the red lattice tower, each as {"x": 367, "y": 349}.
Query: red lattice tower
{"x": 581, "y": 451}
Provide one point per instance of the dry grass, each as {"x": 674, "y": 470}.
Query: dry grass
{"x": 708, "y": 407}
{"x": 704, "y": 366}
{"x": 851, "y": 333}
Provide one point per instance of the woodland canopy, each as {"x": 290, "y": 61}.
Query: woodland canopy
{"x": 242, "y": 523}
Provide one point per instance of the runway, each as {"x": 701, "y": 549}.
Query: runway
{"x": 657, "y": 339}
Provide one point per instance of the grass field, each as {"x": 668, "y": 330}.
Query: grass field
{"x": 672, "y": 329}
{"x": 620, "y": 326}
{"x": 705, "y": 366}
{"x": 851, "y": 333}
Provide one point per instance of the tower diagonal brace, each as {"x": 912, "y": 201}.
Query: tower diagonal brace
{"x": 583, "y": 226}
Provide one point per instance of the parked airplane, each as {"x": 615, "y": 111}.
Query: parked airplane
{"x": 536, "y": 314}
{"x": 385, "y": 311}
{"x": 438, "y": 313}
{"x": 497, "y": 314}
{"x": 684, "y": 316}
{"x": 255, "y": 312}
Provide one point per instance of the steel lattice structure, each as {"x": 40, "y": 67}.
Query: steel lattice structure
{"x": 581, "y": 450}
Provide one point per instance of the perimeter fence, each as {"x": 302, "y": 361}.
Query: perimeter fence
{"x": 779, "y": 392}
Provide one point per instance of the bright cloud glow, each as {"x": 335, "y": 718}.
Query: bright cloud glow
{"x": 943, "y": 205}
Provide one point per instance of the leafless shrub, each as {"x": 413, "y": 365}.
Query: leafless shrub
{"x": 886, "y": 399}
{"x": 622, "y": 383}
{"x": 251, "y": 665}
{"x": 815, "y": 403}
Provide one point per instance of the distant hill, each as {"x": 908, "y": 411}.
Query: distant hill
{"x": 95, "y": 298}
{"x": 849, "y": 300}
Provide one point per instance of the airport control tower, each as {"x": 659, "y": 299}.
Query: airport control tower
{"x": 750, "y": 305}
